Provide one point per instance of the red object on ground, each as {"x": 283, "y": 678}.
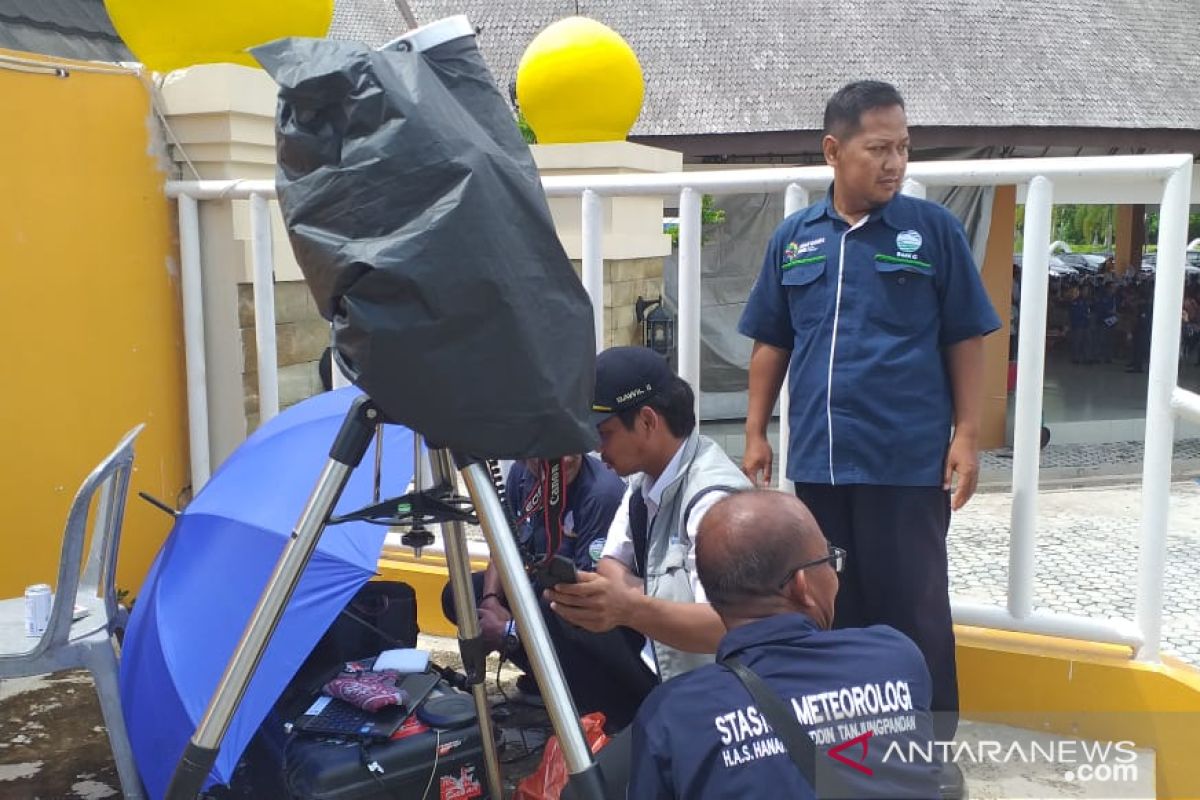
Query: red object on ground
{"x": 1012, "y": 376}
{"x": 550, "y": 778}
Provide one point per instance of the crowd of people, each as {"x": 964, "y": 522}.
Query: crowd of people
{"x": 731, "y": 633}
{"x": 1106, "y": 318}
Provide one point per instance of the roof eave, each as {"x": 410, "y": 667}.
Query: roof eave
{"x": 801, "y": 144}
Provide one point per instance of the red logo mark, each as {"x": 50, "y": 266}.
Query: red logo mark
{"x": 464, "y": 787}
{"x": 835, "y": 753}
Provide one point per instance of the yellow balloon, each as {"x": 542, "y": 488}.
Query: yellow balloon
{"x": 579, "y": 81}
{"x": 169, "y": 34}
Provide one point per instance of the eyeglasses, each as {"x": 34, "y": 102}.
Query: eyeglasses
{"x": 836, "y": 559}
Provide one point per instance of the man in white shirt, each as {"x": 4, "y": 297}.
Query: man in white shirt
{"x": 646, "y": 579}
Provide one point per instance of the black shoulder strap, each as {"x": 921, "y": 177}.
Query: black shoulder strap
{"x": 799, "y": 746}
{"x": 687, "y": 512}
{"x": 554, "y": 489}
{"x": 639, "y": 531}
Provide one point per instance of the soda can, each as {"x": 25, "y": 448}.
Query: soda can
{"x": 37, "y": 609}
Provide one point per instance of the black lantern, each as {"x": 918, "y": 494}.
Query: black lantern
{"x": 658, "y": 328}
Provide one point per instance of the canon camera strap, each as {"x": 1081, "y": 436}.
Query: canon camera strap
{"x": 550, "y": 484}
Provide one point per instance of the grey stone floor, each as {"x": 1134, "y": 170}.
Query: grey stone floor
{"x": 1104, "y": 460}
{"x": 1109, "y": 454}
{"x": 1087, "y": 554}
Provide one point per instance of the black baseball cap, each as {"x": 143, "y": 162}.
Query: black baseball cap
{"x": 627, "y": 377}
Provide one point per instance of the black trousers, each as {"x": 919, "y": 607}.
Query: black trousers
{"x": 604, "y": 671}
{"x": 896, "y": 573}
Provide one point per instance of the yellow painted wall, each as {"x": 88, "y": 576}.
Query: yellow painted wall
{"x": 91, "y": 329}
{"x": 1086, "y": 690}
{"x": 428, "y": 577}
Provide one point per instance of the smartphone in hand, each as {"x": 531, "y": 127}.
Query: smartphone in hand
{"x": 558, "y": 569}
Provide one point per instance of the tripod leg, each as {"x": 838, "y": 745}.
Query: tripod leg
{"x": 470, "y": 640}
{"x": 538, "y": 647}
{"x": 346, "y": 454}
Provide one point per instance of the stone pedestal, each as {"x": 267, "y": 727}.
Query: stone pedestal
{"x": 222, "y": 126}
{"x": 634, "y": 242}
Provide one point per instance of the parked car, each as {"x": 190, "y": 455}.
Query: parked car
{"x": 1191, "y": 264}
{"x": 1079, "y": 262}
{"x": 1058, "y": 268}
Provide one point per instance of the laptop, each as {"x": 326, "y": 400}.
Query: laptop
{"x": 328, "y": 716}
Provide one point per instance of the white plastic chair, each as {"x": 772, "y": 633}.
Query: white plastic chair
{"x": 88, "y": 643}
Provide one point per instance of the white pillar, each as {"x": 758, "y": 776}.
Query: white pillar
{"x": 1160, "y": 419}
{"x": 193, "y": 340}
{"x": 1027, "y": 436}
{"x": 690, "y": 225}
{"x": 592, "y": 230}
{"x": 264, "y": 308}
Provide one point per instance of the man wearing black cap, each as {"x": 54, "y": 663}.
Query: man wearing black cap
{"x": 646, "y": 580}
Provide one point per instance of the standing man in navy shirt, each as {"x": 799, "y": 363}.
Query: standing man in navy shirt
{"x": 873, "y": 301}
{"x": 861, "y": 694}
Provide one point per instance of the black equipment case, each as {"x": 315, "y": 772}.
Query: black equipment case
{"x": 418, "y": 762}
{"x": 425, "y": 762}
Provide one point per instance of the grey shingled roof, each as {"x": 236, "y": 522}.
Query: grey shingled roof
{"x": 65, "y": 28}
{"x": 769, "y": 65}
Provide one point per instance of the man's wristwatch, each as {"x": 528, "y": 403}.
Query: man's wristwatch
{"x": 510, "y": 642}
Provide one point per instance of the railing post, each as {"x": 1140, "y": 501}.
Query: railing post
{"x": 795, "y": 197}
{"x": 193, "y": 339}
{"x": 1160, "y": 419}
{"x": 337, "y": 378}
{"x": 264, "y": 308}
{"x": 1186, "y": 404}
{"x": 1027, "y": 426}
{"x": 913, "y": 188}
{"x": 592, "y": 231}
{"x": 689, "y": 288}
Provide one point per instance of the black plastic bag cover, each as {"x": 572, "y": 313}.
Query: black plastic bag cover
{"x": 417, "y": 216}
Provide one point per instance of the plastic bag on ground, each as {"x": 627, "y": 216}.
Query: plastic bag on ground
{"x": 550, "y": 778}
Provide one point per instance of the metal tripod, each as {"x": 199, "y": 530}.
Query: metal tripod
{"x": 346, "y": 454}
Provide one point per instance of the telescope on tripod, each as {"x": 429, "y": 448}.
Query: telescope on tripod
{"x": 417, "y": 216}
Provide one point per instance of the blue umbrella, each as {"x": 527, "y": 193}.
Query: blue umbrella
{"x": 211, "y": 571}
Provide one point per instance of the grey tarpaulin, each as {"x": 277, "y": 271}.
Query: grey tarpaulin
{"x": 731, "y": 258}
{"x": 417, "y": 216}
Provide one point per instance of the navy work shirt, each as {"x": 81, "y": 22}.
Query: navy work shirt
{"x": 866, "y": 312}
{"x": 700, "y": 734}
{"x": 592, "y": 501}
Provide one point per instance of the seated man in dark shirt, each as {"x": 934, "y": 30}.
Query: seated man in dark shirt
{"x": 861, "y": 694}
{"x": 591, "y": 663}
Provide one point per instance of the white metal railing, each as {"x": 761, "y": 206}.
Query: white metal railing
{"x": 1108, "y": 179}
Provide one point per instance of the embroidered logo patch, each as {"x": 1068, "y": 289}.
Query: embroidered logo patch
{"x": 797, "y": 253}
{"x": 797, "y": 249}
{"x": 596, "y": 549}
{"x": 908, "y": 241}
